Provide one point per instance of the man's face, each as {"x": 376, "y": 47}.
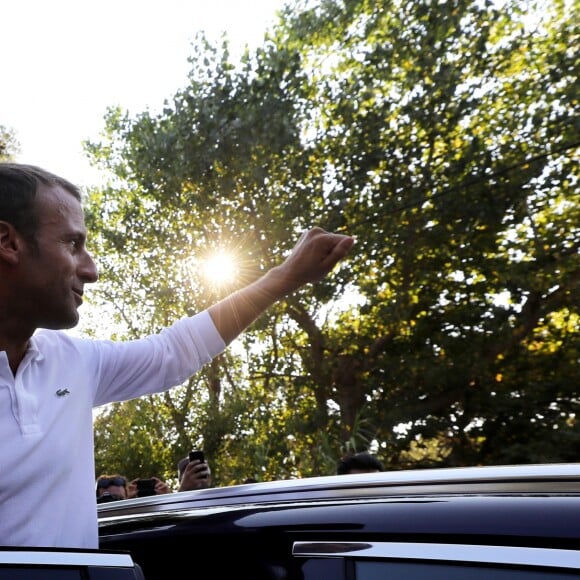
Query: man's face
{"x": 116, "y": 490}
{"x": 54, "y": 274}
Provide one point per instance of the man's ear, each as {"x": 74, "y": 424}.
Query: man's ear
{"x": 11, "y": 243}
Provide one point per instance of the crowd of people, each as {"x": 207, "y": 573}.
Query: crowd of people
{"x": 196, "y": 474}
{"x": 191, "y": 474}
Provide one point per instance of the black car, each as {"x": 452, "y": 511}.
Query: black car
{"x": 508, "y": 522}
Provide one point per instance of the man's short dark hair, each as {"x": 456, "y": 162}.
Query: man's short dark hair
{"x": 181, "y": 465}
{"x": 19, "y": 184}
{"x": 359, "y": 461}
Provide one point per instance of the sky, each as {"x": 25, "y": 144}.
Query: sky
{"x": 65, "y": 61}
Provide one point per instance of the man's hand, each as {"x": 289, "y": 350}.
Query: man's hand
{"x": 316, "y": 253}
{"x": 161, "y": 486}
{"x": 196, "y": 475}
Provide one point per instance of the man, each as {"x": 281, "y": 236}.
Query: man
{"x": 194, "y": 474}
{"x": 50, "y": 381}
{"x": 359, "y": 463}
{"x": 111, "y": 488}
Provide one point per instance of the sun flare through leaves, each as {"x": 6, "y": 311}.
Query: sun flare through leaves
{"x": 220, "y": 268}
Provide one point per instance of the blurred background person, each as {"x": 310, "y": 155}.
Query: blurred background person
{"x": 362, "y": 462}
{"x": 111, "y": 488}
{"x": 143, "y": 487}
{"x": 194, "y": 474}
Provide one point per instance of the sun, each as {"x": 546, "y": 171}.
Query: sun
{"x": 220, "y": 268}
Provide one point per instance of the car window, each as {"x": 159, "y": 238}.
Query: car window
{"x": 37, "y": 573}
{"x": 427, "y": 561}
{"x": 324, "y": 568}
{"x": 55, "y": 564}
{"x": 439, "y": 571}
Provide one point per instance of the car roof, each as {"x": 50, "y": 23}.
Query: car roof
{"x": 552, "y": 479}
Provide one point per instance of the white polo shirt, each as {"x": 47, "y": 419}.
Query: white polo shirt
{"x": 47, "y": 473}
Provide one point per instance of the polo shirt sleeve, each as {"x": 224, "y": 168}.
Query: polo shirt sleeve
{"x": 130, "y": 369}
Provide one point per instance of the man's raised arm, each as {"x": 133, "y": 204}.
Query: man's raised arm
{"x": 316, "y": 253}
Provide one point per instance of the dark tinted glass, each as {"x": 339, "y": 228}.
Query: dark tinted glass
{"x": 37, "y": 573}
{"x": 111, "y": 574}
{"x": 328, "y": 568}
{"x": 438, "y": 571}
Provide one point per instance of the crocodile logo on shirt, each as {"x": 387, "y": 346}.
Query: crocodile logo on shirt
{"x": 62, "y": 392}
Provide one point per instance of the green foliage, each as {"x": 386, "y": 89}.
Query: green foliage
{"x": 9, "y": 145}
{"x": 445, "y": 137}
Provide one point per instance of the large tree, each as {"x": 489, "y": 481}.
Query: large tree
{"x": 445, "y": 137}
{"x": 9, "y": 145}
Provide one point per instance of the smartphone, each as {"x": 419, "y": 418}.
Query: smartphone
{"x": 145, "y": 487}
{"x": 199, "y": 455}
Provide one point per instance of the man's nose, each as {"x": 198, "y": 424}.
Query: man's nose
{"x": 88, "y": 269}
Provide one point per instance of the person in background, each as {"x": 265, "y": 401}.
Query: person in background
{"x": 50, "y": 380}
{"x": 362, "y": 462}
{"x": 156, "y": 486}
{"x": 194, "y": 474}
{"x": 111, "y": 488}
